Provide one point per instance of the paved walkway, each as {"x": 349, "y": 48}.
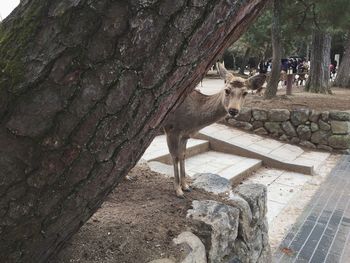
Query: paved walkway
{"x": 282, "y": 185}
{"x": 322, "y": 232}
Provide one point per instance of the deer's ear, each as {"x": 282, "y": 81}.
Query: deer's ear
{"x": 256, "y": 82}
{"x": 223, "y": 72}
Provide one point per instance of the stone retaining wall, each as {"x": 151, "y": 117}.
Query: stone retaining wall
{"x": 235, "y": 230}
{"x": 328, "y": 130}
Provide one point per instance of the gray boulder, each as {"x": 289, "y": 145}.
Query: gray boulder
{"x": 261, "y": 131}
{"x": 217, "y": 224}
{"x": 211, "y": 183}
{"x": 244, "y": 115}
{"x": 259, "y": 115}
{"x": 340, "y": 127}
{"x": 325, "y": 116}
{"x": 289, "y": 129}
{"x": 324, "y": 125}
{"x": 304, "y": 132}
{"x": 308, "y": 144}
{"x": 314, "y": 127}
{"x": 279, "y": 115}
{"x": 314, "y": 116}
{"x": 196, "y": 251}
{"x": 340, "y": 115}
{"x": 300, "y": 116}
{"x": 339, "y": 141}
{"x": 320, "y": 137}
{"x": 273, "y": 127}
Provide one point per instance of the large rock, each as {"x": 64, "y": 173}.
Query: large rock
{"x": 279, "y": 115}
{"x": 240, "y": 124}
{"x": 289, "y": 129}
{"x": 300, "y": 116}
{"x": 314, "y": 127}
{"x": 324, "y": 147}
{"x": 304, "y": 132}
{"x": 324, "y": 125}
{"x": 211, "y": 183}
{"x": 252, "y": 239}
{"x": 325, "y": 116}
{"x": 314, "y": 116}
{"x": 256, "y": 196}
{"x": 217, "y": 224}
{"x": 340, "y": 127}
{"x": 257, "y": 124}
{"x": 273, "y": 127}
{"x": 308, "y": 144}
{"x": 244, "y": 115}
{"x": 340, "y": 115}
{"x": 320, "y": 137}
{"x": 196, "y": 251}
{"x": 339, "y": 141}
{"x": 259, "y": 115}
{"x": 261, "y": 131}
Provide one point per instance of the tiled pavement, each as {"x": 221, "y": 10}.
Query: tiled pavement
{"x": 282, "y": 186}
{"x": 283, "y": 152}
{"x": 322, "y": 232}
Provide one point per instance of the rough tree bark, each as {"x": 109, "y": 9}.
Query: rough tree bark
{"x": 272, "y": 85}
{"x": 343, "y": 74}
{"x": 318, "y": 81}
{"x": 84, "y": 86}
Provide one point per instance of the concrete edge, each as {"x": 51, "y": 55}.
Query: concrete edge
{"x": 245, "y": 174}
{"x": 190, "y": 151}
{"x": 225, "y": 147}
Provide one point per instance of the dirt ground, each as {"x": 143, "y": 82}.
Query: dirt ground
{"x": 136, "y": 224}
{"x": 339, "y": 100}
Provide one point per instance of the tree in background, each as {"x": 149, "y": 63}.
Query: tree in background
{"x": 343, "y": 74}
{"x": 256, "y": 39}
{"x": 271, "y": 89}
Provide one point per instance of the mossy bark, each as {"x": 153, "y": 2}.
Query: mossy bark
{"x": 84, "y": 87}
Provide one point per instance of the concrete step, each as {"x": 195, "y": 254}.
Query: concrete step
{"x": 231, "y": 167}
{"x": 158, "y": 149}
{"x": 272, "y": 153}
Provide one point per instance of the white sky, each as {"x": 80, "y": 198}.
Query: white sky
{"x": 6, "y": 6}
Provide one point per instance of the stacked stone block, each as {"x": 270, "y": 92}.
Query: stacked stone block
{"x": 314, "y": 129}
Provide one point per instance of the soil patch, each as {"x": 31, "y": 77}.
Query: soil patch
{"x": 137, "y": 222}
{"x": 339, "y": 100}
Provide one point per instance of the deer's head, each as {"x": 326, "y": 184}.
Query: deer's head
{"x": 236, "y": 89}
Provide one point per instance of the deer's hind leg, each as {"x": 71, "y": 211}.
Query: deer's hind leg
{"x": 173, "y": 141}
{"x": 184, "y": 185}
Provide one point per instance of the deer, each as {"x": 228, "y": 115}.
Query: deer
{"x": 198, "y": 111}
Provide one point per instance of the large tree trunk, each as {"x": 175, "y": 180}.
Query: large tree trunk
{"x": 343, "y": 74}
{"x": 84, "y": 86}
{"x": 318, "y": 81}
{"x": 272, "y": 85}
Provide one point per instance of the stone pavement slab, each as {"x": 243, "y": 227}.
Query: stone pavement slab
{"x": 282, "y": 186}
{"x": 322, "y": 232}
{"x": 271, "y": 152}
{"x": 228, "y": 166}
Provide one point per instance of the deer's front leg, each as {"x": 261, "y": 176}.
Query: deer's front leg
{"x": 184, "y": 184}
{"x": 177, "y": 185}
